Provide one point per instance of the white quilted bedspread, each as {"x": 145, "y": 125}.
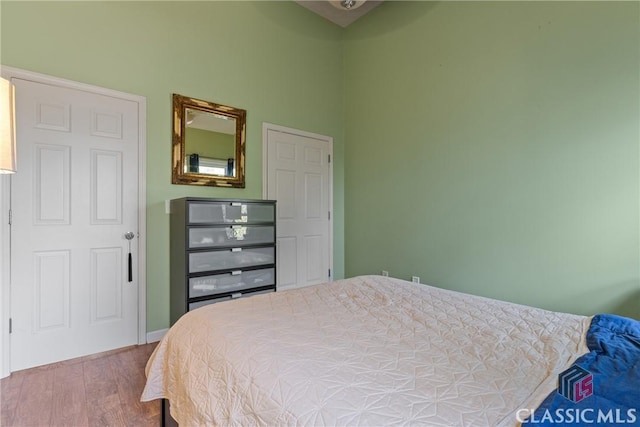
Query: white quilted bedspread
{"x": 371, "y": 351}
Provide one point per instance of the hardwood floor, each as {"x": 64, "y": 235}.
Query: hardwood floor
{"x": 97, "y": 390}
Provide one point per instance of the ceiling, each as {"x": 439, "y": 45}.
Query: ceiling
{"x": 342, "y": 17}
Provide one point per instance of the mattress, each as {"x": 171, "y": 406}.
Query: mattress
{"x": 369, "y": 350}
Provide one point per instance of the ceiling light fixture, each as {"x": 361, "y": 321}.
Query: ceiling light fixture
{"x": 347, "y": 4}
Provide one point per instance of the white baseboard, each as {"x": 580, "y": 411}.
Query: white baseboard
{"x": 154, "y": 336}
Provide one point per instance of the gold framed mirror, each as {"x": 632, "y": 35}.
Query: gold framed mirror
{"x": 208, "y": 143}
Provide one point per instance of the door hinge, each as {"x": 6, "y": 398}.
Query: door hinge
{"x": 10, "y": 216}
{"x": 10, "y": 325}
{"x": 329, "y": 272}
{"x": 329, "y": 156}
{"x": 329, "y": 215}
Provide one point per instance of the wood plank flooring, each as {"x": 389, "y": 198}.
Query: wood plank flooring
{"x": 97, "y": 390}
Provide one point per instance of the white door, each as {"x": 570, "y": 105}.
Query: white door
{"x": 298, "y": 177}
{"x": 73, "y": 199}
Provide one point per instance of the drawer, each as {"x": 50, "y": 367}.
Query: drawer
{"x": 230, "y": 282}
{"x": 235, "y": 235}
{"x": 230, "y": 259}
{"x": 230, "y": 212}
{"x": 199, "y": 304}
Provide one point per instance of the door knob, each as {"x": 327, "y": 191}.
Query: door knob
{"x": 129, "y": 235}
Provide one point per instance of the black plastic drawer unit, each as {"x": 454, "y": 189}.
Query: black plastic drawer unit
{"x": 221, "y": 249}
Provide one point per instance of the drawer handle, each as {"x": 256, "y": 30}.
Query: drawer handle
{"x": 236, "y": 295}
{"x": 236, "y": 204}
{"x": 236, "y": 272}
{"x": 236, "y": 250}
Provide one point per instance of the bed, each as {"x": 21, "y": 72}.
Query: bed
{"x": 369, "y": 350}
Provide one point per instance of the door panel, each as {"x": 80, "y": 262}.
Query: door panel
{"x": 72, "y": 200}
{"x": 106, "y": 187}
{"x": 52, "y": 184}
{"x": 106, "y": 284}
{"x": 51, "y": 285}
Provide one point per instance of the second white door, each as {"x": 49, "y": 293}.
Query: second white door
{"x": 298, "y": 177}
{"x": 73, "y": 199}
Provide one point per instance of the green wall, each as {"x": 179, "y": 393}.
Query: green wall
{"x": 490, "y": 147}
{"x": 493, "y": 148}
{"x": 276, "y": 60}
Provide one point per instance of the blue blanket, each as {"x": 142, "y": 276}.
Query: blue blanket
{"x": 603, "y": 386}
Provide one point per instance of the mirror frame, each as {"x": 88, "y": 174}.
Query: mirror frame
{"x": 178, "y": 174}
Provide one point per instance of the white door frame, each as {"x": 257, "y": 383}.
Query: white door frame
{"x": 329, "y": 140}
{"x": 5, "y": 186}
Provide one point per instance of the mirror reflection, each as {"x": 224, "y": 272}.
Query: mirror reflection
{"x": 208, "y": 143}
